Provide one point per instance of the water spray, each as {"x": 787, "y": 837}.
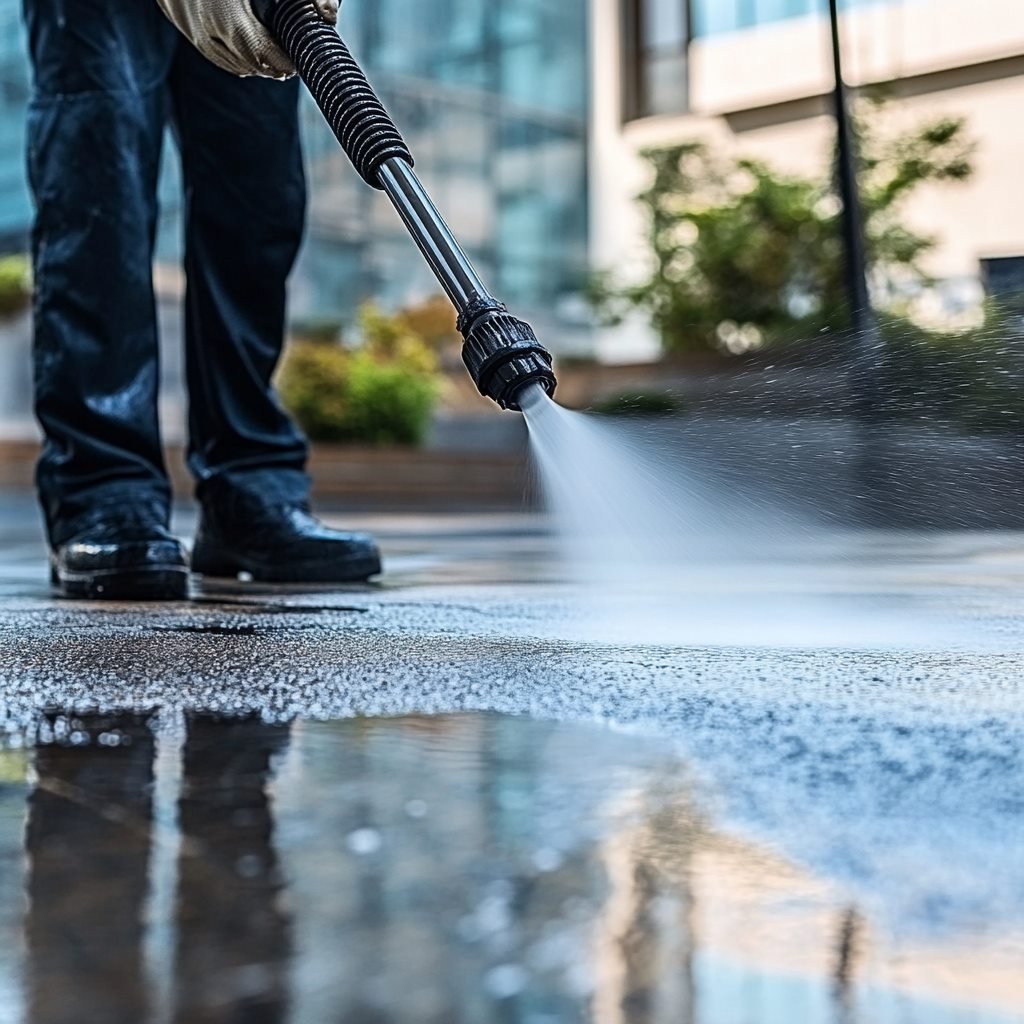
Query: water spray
{"x": 501, "y": 352}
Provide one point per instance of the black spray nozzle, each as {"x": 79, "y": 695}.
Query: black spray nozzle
{"x": 503, "y": 355}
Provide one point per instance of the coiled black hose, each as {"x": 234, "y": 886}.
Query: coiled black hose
{"x": 356, "y": 116}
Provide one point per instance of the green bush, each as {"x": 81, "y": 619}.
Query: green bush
{"x": 741, "y": 252}
{"x": 388, "y": 403}
{"x": 15, "y": 286}
{"x": 381, "y": 393}
{"x": 639, "y": 403}
{"x": 313, "y": 384}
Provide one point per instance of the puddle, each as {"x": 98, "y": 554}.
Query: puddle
{"x": 464, "y": 867}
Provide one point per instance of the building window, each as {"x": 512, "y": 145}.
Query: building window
{"x": 1003, "y": 279}
{"x": 714, "y": 17}
{"x": 656, "y": 36}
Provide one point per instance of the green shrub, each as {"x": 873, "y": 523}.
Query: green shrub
{"x": 13, "y": 765}
{"x": 313, "y": 384}
{"x": 639, "y": 403}
{"x": 15, "y": 285}
{"x": 388, "y": 403}
{"x": 381, "y": 393}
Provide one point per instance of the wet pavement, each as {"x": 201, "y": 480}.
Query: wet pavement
{"x": 443, "y": 799}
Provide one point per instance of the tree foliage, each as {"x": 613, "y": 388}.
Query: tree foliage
{"x": 741, "y": 252}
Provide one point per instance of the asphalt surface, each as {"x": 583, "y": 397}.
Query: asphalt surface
{"x": 877, "y": 750}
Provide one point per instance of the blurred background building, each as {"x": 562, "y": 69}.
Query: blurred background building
{"x": 755, "y": 76}
{"x": 493, "y": 99}
{"x": 528, "y": 119}
{"x": 497, "y": 101}
{"x": 14, "y": 88}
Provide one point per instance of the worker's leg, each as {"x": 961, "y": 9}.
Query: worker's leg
{"x": 245, "y": 201}
{"x": 245, "y": 208}
{"x": 94, "y": 133}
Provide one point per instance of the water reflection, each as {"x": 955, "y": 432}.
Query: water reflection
{"x": 460, "y": 868}
{"x": 233, "y": 932}
{"x": 89, "y": 840}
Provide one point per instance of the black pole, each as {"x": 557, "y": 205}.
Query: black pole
{"x": 865, "y": 356}
{"x": 853, "y": 219}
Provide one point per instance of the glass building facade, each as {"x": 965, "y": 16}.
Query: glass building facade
{"x": 493, "y": 100}
{"x": 15, "y": 209}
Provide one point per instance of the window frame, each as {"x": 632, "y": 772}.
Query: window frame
{"x": 636, "y": 57}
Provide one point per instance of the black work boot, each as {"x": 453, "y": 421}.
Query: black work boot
{"x": 121, "y": 553}
{"x": 278, "y": 543}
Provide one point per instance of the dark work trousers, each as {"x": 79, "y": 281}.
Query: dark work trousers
{"x": 108, "y": 76}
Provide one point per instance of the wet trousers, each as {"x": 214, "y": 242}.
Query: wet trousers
{"x": 108, "y": 77}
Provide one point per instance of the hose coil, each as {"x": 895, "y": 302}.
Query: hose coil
{"x": 347, "y": 100}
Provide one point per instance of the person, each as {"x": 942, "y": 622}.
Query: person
{"x": 107, "y": 77}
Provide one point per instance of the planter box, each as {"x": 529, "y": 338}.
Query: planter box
{"x": 412, "y": 479}
{"x": 370, "y": 479}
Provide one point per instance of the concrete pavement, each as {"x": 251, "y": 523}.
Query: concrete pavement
{"x": 873, "y": 788}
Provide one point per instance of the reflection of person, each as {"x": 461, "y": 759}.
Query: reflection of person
{"x": 233, "y": 935}
{"x": 107, "y": 76}
{"x": 88, "y": 843}
{"x": 88, "y": 840}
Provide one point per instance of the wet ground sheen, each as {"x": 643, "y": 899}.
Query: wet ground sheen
{"x": 445, "y": 799}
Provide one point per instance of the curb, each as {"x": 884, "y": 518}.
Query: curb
{"x": 371, "y": 479}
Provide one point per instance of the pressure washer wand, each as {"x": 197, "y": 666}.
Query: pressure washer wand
{"x": 502, "y": 353}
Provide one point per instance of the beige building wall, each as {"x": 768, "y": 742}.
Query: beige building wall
{"x": 766, "y": 92}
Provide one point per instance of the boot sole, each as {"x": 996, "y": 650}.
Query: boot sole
{"x": 355, "y": 570}
{"x": 159, "y": 583}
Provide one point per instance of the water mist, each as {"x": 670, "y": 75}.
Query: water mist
{"x": 661, "y": 549}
